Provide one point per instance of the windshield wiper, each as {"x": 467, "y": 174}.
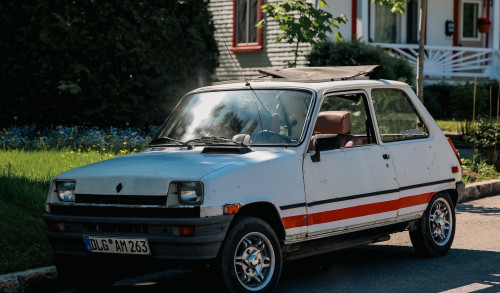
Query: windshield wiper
{"x": 162, "y": 140}
{"x": 213, "y": 139}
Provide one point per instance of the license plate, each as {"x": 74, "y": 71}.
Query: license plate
{"x": 117, "y": 245}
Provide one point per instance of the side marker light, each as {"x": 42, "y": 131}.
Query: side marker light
{"x": 231, "y": 209}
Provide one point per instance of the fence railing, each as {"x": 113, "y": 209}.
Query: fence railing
{"x": 451, "y": 62}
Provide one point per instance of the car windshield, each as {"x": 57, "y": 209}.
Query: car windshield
{"x": 242, "y": 117}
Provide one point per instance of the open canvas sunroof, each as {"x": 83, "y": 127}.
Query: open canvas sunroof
{"x": 324, "y": 73}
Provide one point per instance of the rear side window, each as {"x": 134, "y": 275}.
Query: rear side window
{"x": 396, "y": 116}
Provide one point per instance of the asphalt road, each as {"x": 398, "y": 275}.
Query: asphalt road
{"x": 472, "y": 265}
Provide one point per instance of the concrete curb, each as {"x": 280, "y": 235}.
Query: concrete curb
{"x": 29, "y": 280}
{"x": 36, "y": 279}
{"x": 481, "y": 189}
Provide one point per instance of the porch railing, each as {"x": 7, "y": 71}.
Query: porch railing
{"x": 451, "y": 62}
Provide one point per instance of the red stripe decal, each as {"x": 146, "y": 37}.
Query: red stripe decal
{"x": 295, "y": 221}
{"x": 353, "y": 212}
{"x": 356, "y": 211}
{"x": 415, "y": 200}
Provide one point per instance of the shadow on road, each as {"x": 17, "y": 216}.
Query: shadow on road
{"x": 386, "y": 268}
{"x": 370, "y": 268}
{"x": 470, "y": 208}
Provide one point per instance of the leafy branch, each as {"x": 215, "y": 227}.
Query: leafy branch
{"x": 301, "y": 22}
{"x": 395, "y": 5}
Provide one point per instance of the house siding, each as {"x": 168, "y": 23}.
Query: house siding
{"x": 273, "y": 55}
{"x": 437, "y": 14}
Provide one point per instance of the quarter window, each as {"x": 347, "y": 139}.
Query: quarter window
{"x": 396, "y": 117}
{"x": 246, "y": 15}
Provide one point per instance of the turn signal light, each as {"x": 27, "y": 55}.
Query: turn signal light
{"x": 231, "y": 209}
{"x": 183, "y": 230}
{"x": 56, "y": 227}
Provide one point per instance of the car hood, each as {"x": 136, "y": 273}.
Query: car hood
{"x": 147, "y": 173}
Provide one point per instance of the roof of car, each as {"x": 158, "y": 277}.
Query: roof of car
{"x": 315, "y": 78}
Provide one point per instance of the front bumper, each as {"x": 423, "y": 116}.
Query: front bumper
{"x": 164, "y": 244}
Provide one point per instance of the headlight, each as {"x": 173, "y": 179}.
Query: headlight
{"x": 65, "y": 190}
{"x": 190, "y": 193}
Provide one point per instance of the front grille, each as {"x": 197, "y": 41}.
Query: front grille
{"x": 109, "y": 211}
{"x": 121, "y": 199}
{"x": 117, "y": 228}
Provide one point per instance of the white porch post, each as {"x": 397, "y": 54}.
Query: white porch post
{"x": 496, "y": 25}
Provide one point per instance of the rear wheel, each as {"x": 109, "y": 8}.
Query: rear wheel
{"x": 436, "y": 229}
{"x": 250, "y": 259}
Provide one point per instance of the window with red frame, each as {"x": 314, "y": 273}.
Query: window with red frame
{"x": 246, "y": 36}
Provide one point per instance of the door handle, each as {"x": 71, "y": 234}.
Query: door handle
{"x": 386, "y": 156}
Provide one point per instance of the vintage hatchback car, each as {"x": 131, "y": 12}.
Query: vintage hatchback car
{"x": 246, "y": 175}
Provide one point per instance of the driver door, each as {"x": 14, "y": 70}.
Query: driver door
{"x": 350, "y": 187}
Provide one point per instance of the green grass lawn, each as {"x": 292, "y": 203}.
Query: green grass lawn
{"x": 449, "y": 126}
{"x": 25, "y": 177}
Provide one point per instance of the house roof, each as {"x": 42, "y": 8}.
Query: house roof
{"x": 329, "y": 73}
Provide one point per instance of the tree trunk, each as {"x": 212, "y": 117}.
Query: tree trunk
{"x": 296, "y": 54}
{"x": 421, "y": 50}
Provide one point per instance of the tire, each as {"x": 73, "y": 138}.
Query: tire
{"x": 250, "y": 259}
{"x": 436, "y": 229}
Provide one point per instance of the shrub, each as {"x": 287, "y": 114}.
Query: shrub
{"x": 484, "y": 136}
{"x": 77, "y": 139}
{"x": 357, "y": 52}
{"x": 101, "y": 63}
{"x": 475, "y": 169}
{"x": 456, "y": 101}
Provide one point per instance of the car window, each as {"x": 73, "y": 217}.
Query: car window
{"x": 356, "y": 104}
{"x": 253, "y": 117}
{"x": 396, "y": 116}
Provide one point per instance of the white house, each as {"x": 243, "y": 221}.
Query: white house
{"x": 456, "y": 46}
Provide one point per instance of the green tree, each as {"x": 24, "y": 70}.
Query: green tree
{"x": 395, "y": 5}
{"x": 101, "y": 62}
{"x": 301, "y": 22}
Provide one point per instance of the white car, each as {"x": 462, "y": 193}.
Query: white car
{"x": 245, "y": 175}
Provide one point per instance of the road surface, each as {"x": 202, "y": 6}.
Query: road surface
{"x": 472, "y": 265}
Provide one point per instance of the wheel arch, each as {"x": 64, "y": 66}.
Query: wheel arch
{"x": 266, "y": 212}
{"x": 451, "y": 192}
{"x": 453, "y": 195}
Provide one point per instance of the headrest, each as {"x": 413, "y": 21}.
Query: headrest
{"x": 333, "y": 122}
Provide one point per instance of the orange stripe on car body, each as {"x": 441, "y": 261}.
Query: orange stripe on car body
{"x": 356, "y": 211}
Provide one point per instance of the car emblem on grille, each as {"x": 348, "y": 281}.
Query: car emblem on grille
{"x": 119, "y": 187}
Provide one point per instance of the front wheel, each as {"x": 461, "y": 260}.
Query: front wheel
{"x": 436, "y": 229}
{"x": 250, "y": 259}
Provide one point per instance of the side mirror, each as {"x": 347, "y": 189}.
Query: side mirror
{"x": 324, "y": 142}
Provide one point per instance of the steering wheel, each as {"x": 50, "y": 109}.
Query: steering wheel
{"x": 270, "y": 137}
